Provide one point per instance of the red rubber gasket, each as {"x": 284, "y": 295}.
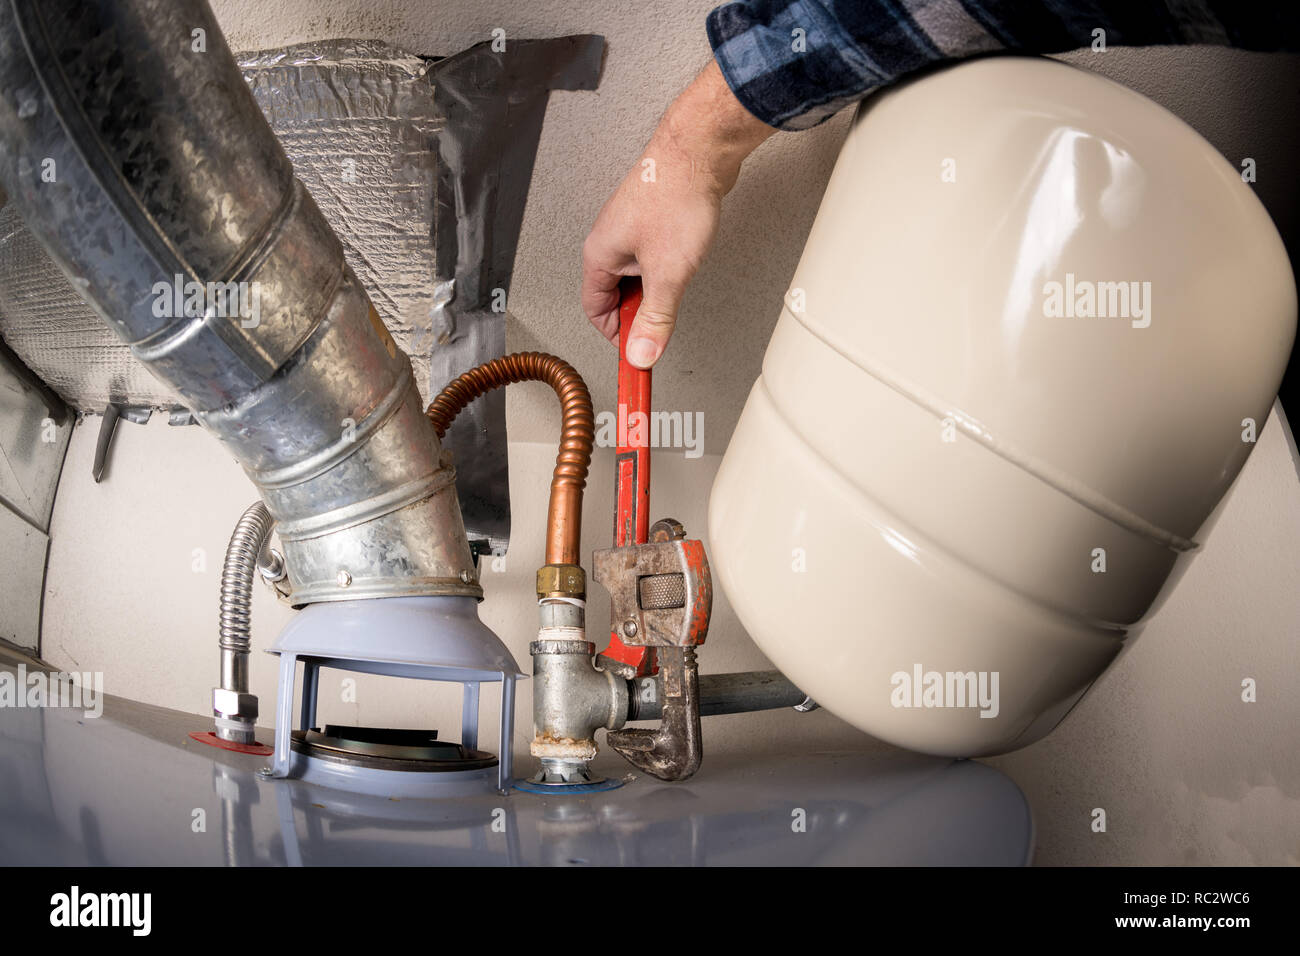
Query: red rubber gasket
{"x": 212, "y": 740}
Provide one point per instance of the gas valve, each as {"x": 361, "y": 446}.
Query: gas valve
{"x": 661, "y": 596}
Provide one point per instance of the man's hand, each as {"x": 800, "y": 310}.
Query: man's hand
{"x": 660, "y": 222}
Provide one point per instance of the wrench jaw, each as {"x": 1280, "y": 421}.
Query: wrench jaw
{"x": 674, "y": 749}
{"x": 661, "y": 595}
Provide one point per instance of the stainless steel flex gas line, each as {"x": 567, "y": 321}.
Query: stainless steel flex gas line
{"x": 135, "y": 151}
{"x": 234, "y": 707}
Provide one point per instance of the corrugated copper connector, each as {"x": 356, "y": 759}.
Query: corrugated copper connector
{"x": 577, "y": 436}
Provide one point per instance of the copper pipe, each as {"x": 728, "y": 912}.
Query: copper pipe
{"x": 578, "y": 433}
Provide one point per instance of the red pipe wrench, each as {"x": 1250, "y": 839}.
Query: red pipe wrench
{"x": 632, "y": 464}
{"x": 661, "y": 592}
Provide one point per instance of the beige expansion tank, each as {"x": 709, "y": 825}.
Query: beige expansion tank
{"x": 1037, "y": 321}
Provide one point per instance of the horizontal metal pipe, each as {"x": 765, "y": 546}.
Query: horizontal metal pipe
{"x": 740, "y": 693}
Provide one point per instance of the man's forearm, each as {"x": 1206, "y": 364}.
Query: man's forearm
{"x": 661, "y": 220}
{"x": 707, "y": 126}
{"x": 794, "y": 63}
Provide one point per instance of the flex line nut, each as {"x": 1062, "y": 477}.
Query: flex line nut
{"x": 562, "y": 581}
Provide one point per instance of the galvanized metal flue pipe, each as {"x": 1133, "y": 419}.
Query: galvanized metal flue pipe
{"x": 136, "y": 153}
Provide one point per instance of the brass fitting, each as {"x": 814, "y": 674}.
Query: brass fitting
{"x": 561, "y": 580}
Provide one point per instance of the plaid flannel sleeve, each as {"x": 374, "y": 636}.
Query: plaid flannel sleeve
{"x": 794, "y": 63}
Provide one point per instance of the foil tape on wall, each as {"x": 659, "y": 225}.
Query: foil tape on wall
{"x": 422, "y": 167}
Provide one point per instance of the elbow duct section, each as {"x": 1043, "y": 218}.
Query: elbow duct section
{"x": 136, "y": 153}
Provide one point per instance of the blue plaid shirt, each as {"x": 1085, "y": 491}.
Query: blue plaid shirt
{"x": 793, "y": 63}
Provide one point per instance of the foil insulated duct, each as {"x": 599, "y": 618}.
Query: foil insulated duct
{"x": 357, "y": 121}
{"x": 494, "y": 103}
{"x": 421, "y": 166}
{"x": 58, "y": 336}
{"x": 166, "y": 173}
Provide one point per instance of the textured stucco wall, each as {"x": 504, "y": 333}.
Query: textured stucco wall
{"x": 590, "y": 140}
{"x": 1186, "y": 772}
{"x": 1244, "y": 103}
